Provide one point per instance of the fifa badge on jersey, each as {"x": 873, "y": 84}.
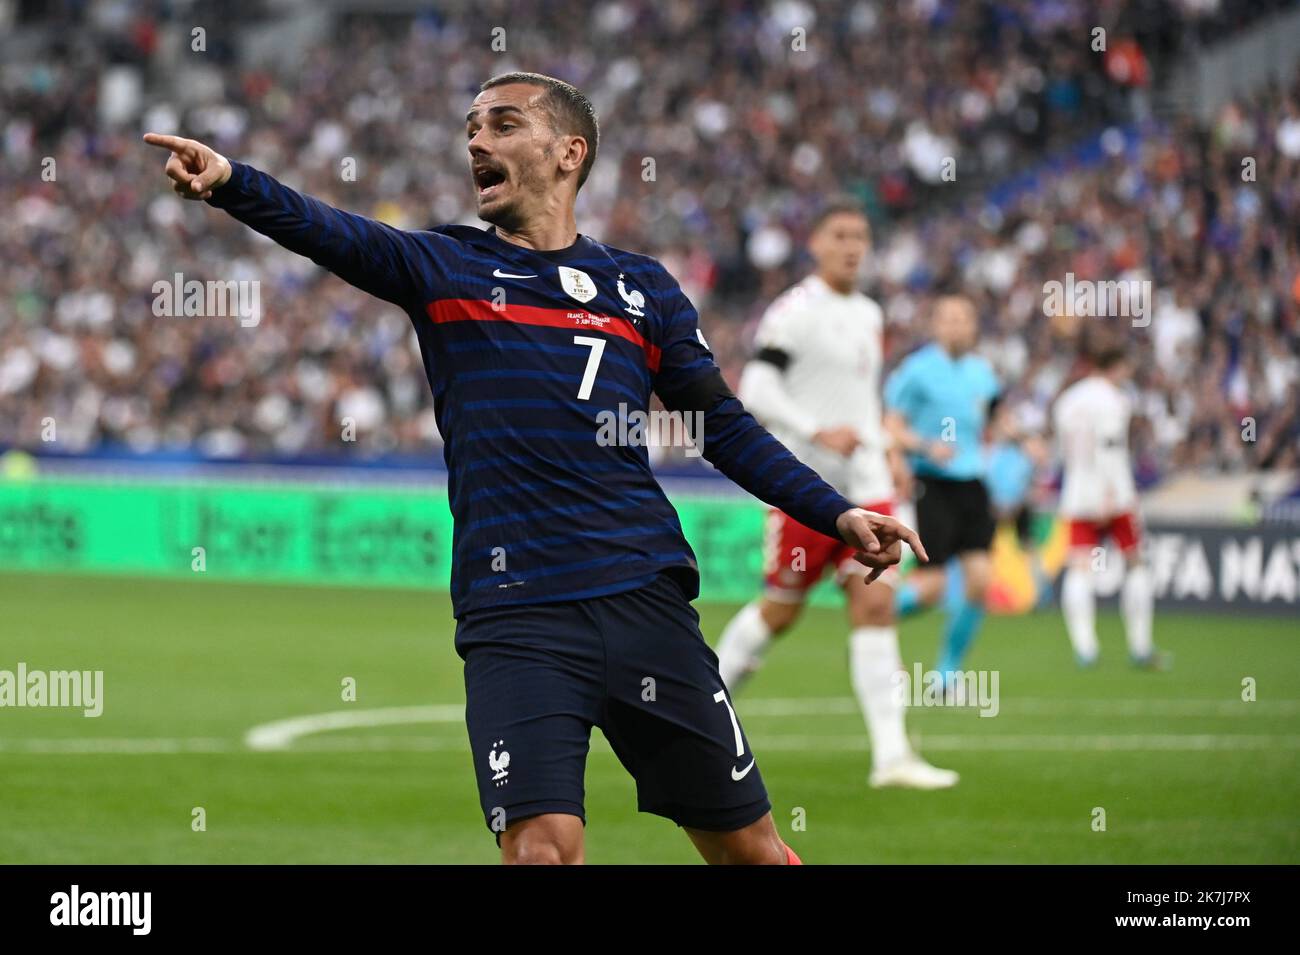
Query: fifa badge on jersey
{"x": 577, "y": 283}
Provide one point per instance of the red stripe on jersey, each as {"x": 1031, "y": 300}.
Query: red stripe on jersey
{"x": 476, "y": 310}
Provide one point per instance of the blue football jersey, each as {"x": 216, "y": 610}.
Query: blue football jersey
{"x": 530, "y": 355}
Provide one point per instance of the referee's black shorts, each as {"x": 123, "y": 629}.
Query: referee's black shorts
{"x": 953, "y": 517}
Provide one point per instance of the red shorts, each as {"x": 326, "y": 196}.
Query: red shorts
{"x": 795, "y": 556}
{"x": 1123, "y": 528}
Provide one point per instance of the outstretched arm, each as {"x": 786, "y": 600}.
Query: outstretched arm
{"x": 388, "y": 263}
{"x": 689, "y": 381}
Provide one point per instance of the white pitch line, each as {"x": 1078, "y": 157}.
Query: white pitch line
{"x": 290, "y": 733}
{"x": 1134, "y": 743}
{"x": 858, "y": 743}
{"x": 127, "y": 746}
{"x": 1036, "y": 706}
{"x": 282, "y": 733}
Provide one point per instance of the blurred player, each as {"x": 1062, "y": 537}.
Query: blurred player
{"x": 1099, "y": 501}
{"x": 815, "y": 382}
{"x": 571, "y": 579}
{"x": 1014, "y": 456}
{"x": 937, "y": 402}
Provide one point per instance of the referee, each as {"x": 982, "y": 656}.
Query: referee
{"x": 936, "y": 404}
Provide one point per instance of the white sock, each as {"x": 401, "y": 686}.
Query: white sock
{"x": 873, "y": 663}
{"x": 741, "y": 649}
{"x": 1136, "y": 602}
{"x": 1079, "y": 605}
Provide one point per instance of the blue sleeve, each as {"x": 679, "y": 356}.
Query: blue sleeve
{"x": 405, "y": 268}
{"x": 900, "y": 395}
{"x": 689, "y": 381}
{"x": 994, "y": 386}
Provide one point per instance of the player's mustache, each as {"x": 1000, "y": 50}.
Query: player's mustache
{"x": 480, "y": 168}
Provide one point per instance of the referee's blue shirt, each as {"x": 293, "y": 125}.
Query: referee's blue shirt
{"x": 942, "y": 397}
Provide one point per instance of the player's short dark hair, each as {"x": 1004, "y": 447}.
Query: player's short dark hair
{"x": 954, "y": 290}
{"x": 571, "y": 111}
{"x": 1106, "y": 356}
{"x": 838, "y": 205}
{"x": 1102, "y": 347}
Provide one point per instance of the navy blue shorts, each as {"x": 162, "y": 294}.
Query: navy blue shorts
{"x": 539, "y": 677}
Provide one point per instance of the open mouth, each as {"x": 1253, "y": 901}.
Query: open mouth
{"x": 488, "y": 181}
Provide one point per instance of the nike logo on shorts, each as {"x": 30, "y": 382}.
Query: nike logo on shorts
{"x": 738, "y": 774}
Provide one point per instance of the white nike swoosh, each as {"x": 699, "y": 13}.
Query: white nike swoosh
{"x": 739, "y": 774}
{"x": 506, "y": 275}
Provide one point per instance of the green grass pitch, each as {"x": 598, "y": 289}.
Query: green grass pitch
{"x": 1184, "y": 769}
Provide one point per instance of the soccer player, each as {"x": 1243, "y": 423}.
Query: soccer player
{"x": 815, "y": 382}
{"x": 1014, "y": 455}
{"x": 571, "y": 581}
{"x": 1099, "y": 500}
{"x": 937, "y": 402}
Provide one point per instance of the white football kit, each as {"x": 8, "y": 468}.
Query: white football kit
{"x": 832, "y": 347}
{"x": 1091, "y": 419}
{"x": 1099, "y": 501}
{"x": 819, "y": 358}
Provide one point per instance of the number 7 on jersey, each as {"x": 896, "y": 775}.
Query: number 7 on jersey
{"x": 597, "y": 346}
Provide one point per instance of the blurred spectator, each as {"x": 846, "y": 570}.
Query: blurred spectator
{"x": 749, "y": 115}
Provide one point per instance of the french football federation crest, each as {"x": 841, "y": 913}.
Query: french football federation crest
{"x": 498, "y": 763}
{"x": 635, "y": 300}
{"x": 577, "y": 283}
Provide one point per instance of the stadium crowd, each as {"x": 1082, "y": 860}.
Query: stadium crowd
{"x": 723, "y": 129}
